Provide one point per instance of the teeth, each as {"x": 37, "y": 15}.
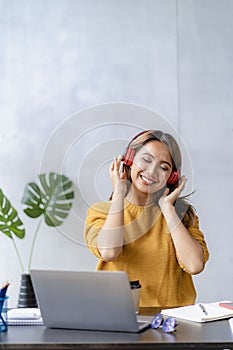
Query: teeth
{"x": 147, "y": 180}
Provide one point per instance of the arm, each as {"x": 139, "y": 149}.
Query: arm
{"x": 188, "y": 249}
{"x": 111, "y": 237}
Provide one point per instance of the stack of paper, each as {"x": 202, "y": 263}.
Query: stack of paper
{"x": 203, "y": 312}
{"x": 24, "y": 317}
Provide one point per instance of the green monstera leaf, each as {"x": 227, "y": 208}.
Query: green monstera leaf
{"x": 52, "y": 198}
{"x": 10, "y": 223}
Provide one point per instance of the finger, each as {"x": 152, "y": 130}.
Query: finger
{"x": 121, "y": 168}
{"x": 182, "y": 182}
{"x": 118, "y": 160}
{"x": 123, "y": 175}
{"x": 180, "y": 187}
{"x": 111, "y": 168}
{"x": 166, "y": 192}
{"x": 116, "y": 164}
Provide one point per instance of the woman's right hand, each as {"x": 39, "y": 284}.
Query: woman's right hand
{"x": 118, "y": 177}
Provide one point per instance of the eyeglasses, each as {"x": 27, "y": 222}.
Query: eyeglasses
{"x": 167, "y": 326}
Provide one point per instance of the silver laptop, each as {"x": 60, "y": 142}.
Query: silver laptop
{"x": 87, "y": 300}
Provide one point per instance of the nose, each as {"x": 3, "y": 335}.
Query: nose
{"x": 152, "y": 168}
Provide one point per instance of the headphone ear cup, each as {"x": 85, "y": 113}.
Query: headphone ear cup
{"x": 129, "y": 156}
{"x": 173, "y": 178}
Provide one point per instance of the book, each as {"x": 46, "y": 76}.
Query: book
{"x": 201, "y": 312}
{"x": 24, "y": 317}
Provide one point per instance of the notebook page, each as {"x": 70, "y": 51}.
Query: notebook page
{"x": 194, "y": 312}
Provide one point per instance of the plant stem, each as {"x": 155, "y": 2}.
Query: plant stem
{"x": 17, "y": 252}
{"x": 33, "y": 244}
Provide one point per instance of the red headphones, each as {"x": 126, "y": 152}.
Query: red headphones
{"x": 128, "y": 158}
{"x": 129, "y": 153}
{"x": 174, "y": 177}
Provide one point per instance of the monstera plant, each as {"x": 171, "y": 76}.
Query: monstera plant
{"x": 10, "y": 223}
{"x": 50, "y": 200}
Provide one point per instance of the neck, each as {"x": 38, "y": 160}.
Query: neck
{"x": 139, "y": 198}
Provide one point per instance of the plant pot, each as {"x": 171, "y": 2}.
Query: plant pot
{"x": 27, "y": 297}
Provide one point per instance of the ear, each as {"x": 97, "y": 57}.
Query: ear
{"x": 173, "y": 178}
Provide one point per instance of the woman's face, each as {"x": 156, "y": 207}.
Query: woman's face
{"x": 151, "y": 168}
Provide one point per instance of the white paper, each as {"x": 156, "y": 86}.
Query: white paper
{"x": 24, "y": 314}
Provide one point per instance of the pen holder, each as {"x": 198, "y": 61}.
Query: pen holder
{"x": 3, "y": 314}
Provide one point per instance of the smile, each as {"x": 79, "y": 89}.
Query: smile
{"x": 147, "y": 181}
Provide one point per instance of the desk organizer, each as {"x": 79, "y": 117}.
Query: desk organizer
{"x": 3, "y": 314}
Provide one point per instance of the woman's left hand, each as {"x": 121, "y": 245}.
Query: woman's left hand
{"x": 167, "y": 200}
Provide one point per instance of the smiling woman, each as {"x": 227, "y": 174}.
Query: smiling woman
{"x": 150, "y": 171}
{"x": 147, "y": 229}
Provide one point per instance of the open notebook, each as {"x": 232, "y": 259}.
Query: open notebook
{"x": 195, "y": 312}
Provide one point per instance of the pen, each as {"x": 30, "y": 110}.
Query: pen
{"x": 3, "y": 289}
{"x": 203, "y": 309}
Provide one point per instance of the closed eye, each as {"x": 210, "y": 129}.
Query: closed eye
{"x": 164, "y": 167}
{"x": 147, "y": 160}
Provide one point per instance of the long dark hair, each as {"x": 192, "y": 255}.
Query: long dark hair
{"x": 184, "y": 209}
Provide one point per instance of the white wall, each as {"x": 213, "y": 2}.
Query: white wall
{"x": 128, "y": 62}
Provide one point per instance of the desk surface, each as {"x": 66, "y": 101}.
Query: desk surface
{"x": 189, "y": 335}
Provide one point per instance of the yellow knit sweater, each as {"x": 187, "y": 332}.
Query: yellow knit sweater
{"x": 148, "y": 254}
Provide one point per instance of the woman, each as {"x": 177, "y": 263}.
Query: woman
{"x": 146, "y": 229}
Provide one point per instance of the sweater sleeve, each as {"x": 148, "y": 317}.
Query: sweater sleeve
{"x": 195, "y": 231}
{"x": 95, "y": 219}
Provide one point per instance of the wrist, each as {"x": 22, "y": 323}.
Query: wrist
{"x": 168, "y": 210}
{"x": 116, "y": 196}
{"x": 172, "y": 219}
